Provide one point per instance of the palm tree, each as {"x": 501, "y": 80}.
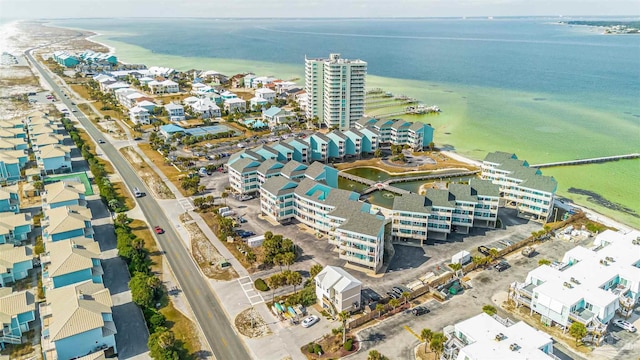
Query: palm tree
{"x": 493, "y": 253}
{"x": 405, "y": 296}
{"x": 437, "y": 343}
{"x": 224, "y": 195}
{"x": 344, "y": 317}
{"x": 379, "y": 309}
{"x": 426, "y": 335}
{"x": 394, "y": 303}
{"x": 294, "y": 278}
{"x": 274, "y": 281}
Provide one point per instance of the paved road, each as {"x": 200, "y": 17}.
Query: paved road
{"x": 217, "y": 329}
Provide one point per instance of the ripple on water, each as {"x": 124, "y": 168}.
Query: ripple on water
{"x": 548, "y": 129}
{"x": 539, "y": 99}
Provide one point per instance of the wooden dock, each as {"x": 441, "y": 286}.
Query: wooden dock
{"x": 587, "y": 161}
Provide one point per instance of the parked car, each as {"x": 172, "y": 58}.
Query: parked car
{"x": 624, "y": 325}
{"x": 100, "y": 141}
{"x": 244, "y": 234}
{"x": 502, "y": 266}
{"x": 398, "y": 290}
{"x": 307, "y": 322}
{"x": 483, "y": 250}
{"x": 246, "y": 197}
{"x": 420, "y": 310}
{"x": 158, "y": 230}
{"x": 393, "y": 295}
{"x": 137, "y": 192}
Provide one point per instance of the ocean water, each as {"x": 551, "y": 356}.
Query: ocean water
{"x": 544, "y": 91}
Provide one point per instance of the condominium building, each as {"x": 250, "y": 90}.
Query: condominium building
{"x": 439, "y": 212}
{"x": 589, "y": 286}
{"x": 356, "y": 230}
{"x": 337, "y": 290}
{"x": 487, "y": 337}
{"x": 417, "y": 135}
{"x": 336, "y": 90}
{"x": 521, "y": 187}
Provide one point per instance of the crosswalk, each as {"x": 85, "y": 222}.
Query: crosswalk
{"x": 252, "y": 294}
{"x": 186, "y": 204}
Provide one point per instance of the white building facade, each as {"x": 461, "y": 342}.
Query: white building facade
{"x": 336, "y": 90}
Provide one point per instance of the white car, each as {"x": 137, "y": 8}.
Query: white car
{"x": 310, "y": 321}
{"x": 624, "y": 325}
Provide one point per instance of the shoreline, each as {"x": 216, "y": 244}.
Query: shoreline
{"x": 455, "y": 155}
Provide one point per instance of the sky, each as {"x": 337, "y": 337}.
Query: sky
{"x": 29, "y": 9}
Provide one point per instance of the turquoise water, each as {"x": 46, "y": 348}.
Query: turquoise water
{"x": 544, "y": 91}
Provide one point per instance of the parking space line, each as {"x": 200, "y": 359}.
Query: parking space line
{"x": 412, "y": 332}
{"x": 246, "y": 283}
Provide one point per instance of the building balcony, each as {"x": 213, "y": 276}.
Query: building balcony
{"x": 583, "y": 316}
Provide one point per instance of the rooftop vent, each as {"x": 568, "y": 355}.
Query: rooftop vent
{"x": 568, "y": 285}
{"x": 609, "y": 259}
{"x": 575, "y": 281}
{"x": 514, "y": 347}
{"x": 636, "y": 241}
{"x": 500, "y": 337}
{"x": 604, "y": 262}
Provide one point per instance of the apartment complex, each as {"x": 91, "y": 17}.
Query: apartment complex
{"x": 417, "y": 135}
{"x": 353, "y": 226}
{"x": 439, "y": 212}
{"x": 589, "y": 286}
{"x": 487, "y": 337}
{"x": 521, "y": 187}
{"x": 336, "y": 90}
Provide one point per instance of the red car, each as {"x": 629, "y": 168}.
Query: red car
{"x": 158, "y": 230}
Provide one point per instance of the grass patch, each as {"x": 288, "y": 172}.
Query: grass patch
{"x": 210, "y": 219}
{"x": 124, "y": 195}
{"x": 141, "y": 230}
{"x": 174, "y": 175}
{"x": 148, "y": 175}
{"x": 167, "y": 98}
{"x": 81, "y": 177}
{"x": 82, "y": 91}
{"x": 183, "y": 328}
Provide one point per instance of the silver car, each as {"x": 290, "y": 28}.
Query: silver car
{"x": 308, "y": 321}
{"x": 624, "y": 325}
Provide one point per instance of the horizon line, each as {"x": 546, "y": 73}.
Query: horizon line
{"x": 493, "y": 17}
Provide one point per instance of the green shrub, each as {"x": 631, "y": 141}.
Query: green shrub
{"x": 311, "y": 347}
{"x": 261, "y": 285}
{"x": 348, "y": 345}
{"x": 157, "y": 320}
{"x": 317, "y": 349}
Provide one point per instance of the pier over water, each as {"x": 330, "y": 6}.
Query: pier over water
{"x": 587, "y": 161}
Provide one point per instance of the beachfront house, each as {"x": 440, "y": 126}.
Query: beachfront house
{"x": 14, "y": 228}
{"x": 319, "y": 147}
{"x": 175, "y": 111}
{"x": 54, "y": 159}
{"x": 276, "y": 116}
{"x": 13, "y": 132}
{"x": 69, "y": 262}
{"x": 266, "y": 94}
{"x": 66, "y": 222}
{"x": 235, "y": 105}
{"x": 205, "y": 108}
{"x": 11, "y": 162}
{"x": 65, "y": 59}
{"x": 17, "y": 312}
{"x": 63, "y": 193}
{"x": 9, "y": 199}
{"x": 589, "y": 286}
{"x": 12, "y": 143}
{"x": 139, "y": 115}
{"x": 257, "y": 103}
{"x": 484, "y": 336}
{"x": 15, "y": 263}
{"x": 163, "y": 87}
{"x": 77, "y": 320}
{"x": 337, "y": 290}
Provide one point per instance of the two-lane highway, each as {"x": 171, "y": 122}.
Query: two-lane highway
{"x": 218, "y": 331}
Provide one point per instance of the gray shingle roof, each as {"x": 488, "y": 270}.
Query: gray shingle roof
{"x": 498, "y": 157}
{"x": 363, "y": 223}
{"x": 484, "y": 187}
{"x": 242, "y": 164}
{"x": 411, "y": 202}
{"x": 293, "y": 168}
{"x": 278, "y": 185}
{"x": 440, "y": 198}
{"x": 400, "y": 123}
{"x": 269, "y": 166}
{"x": 314, "y": 170}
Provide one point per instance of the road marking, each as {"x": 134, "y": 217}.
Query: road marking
{"x": 412, "y": 332}
{"x": 246, "y": 283}
{"x": 186, "y": 204}
{"x": 210, "y": 316}
{"x": 224, "y": 342}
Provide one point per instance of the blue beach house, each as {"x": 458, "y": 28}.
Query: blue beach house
{"x": 322, "y": 173}
{"x": 17, "y": 311}
{"x": 10, "y": 164}
{"x": 71, "y": 261}
{"x": 15, "y": 263}
{"x": 370, "y": 140}
{"x": 319, "y": 145}
{"x": 77, "y": 320}
{"x": 285, "y": 152}
{"x": 300, "y": 149}
{"x": 66, "y": 222}
{"x": 63, "y": 193}
{"x": 9, "y": 199}
{"x": 14, "y": 228}
{"x": 336, "y": 144}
